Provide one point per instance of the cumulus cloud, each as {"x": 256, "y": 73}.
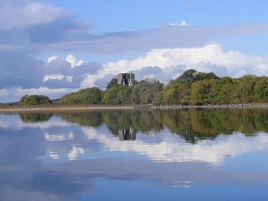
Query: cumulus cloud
{"x": 73, "y": 61}
{"x": 53, "y": 78}
{"x": 67, "y": 72}
{"x": 21, "y": 22}
{"x": 70, "y": 58}
{"x": 167, "y": 64}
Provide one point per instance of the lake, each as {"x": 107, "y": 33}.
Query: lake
{"x": 193, "y": 154}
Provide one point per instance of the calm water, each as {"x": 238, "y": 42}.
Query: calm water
{"x": 134, "y": 155}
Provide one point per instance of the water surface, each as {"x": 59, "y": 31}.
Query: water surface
{"x": 135, "y": 155}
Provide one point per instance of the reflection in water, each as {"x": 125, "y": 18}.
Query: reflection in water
{"x": 127, "y": 134}
{"x": 194, "y": 126}
{"x": 170, "y": 148}
{"x": 64, "y": 157}
{"x": 58, "y": 137}
{"x": 191, "y": 124}
{"x": 32, "y": 117}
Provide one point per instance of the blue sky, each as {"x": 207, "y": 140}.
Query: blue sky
{"x": 53, "y": 47}
{"x": 122, "y": 15}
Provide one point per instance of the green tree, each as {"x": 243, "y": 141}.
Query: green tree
{"x": 148, "y": 95}
{"x": 191, "y": 75}
{"x": 116, "y": 95}
{"x": 137, "y": 90}
{"x": 221, "y": 90}
{"x": 200, "y": 92}
{"x": 91, "y": 96}
{"x": 244, "y": 89}
{"x": 84, "y": 96}
{"x": 261, "y": 89}
{"x": 34, "y": 100}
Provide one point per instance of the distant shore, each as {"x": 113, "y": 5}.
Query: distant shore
{"x": 55, "y": 108}
{"x": 227, "y": 106}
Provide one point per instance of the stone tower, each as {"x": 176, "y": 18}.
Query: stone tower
{"x": 126, "y": 79}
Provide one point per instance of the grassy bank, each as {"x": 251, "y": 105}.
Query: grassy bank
{"x": 52, "y": 108}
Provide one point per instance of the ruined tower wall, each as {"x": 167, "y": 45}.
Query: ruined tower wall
{"x": 126, "y": 79}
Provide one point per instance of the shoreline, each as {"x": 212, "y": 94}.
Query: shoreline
{"x": 224, "y": 106}
{"x": 57, "y": 108}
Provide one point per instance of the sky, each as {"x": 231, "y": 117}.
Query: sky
{"x": 55, "y": 47}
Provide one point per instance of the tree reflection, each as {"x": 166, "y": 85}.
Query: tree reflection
{"x": 29, "y": 117}
{"x": 92, "y": 118}
{"x": 191, "y": 124}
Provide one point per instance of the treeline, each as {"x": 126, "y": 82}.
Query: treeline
{"x": 191, "y": 88}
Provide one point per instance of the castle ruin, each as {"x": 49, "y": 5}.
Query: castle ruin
{"x": 126, "y": 79}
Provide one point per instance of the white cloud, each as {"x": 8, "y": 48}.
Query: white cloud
{"x": 90, "y": 80}
{"x": 69, "y": 69}
{"x": 173, "y": 24}
{"x": 209, "y": 58}
{"x": 183, "y": 23}
{"x": 70, "y": 58}
{"x": 57, "y": 77}
{"x": 53, "y": 58}
{"x": 73, "y": 61}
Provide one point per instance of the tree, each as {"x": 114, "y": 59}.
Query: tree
{"x": 200, "y": 92}
{"x": 243, "y": 89}
{"x": 148, "y": 95}
{"x": 91, "y": 96}
{"x": 84, "y": 96}
{"x": 137, "y": 90}
{"x": 118, "y": 94}
{"x": 261, "y": 89}
{"x": 34, "y": 100}
{"x": 221, "y": 90}
{"x": 188, "y": 77}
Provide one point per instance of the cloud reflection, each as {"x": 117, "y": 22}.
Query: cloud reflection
{"x": 172, "y": 148}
